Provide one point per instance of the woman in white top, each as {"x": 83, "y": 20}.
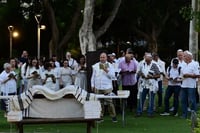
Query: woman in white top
{"x": 56, "y": 71}
{"x": 66, "y": 74}
{"x": 33, "y": 73}
{"x": 81, "y": 75}
{"x": 48, "y": 77}
{"x": 8, "y": 84}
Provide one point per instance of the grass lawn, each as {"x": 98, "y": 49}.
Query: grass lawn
{"x": 157, "y": 124}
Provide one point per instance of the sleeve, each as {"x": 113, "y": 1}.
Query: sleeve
{"x": 93, "y": 77}
{"x": 111, "y": 71}
{"x": 43, "y": 76}
{"x": 27, "y": 72}
{"x": 2, "y": 77}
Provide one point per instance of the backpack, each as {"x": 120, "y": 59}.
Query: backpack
{"x": 179, "y": 70}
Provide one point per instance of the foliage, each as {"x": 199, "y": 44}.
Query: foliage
{"x": 195, "y": 124}
{"x": 188, "y": 13}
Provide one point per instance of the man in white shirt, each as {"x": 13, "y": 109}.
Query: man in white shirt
{"x": 8, "y": 84}
{"x": 174, "y": 87}
{"x": 161, "y": 66}
{"x": 101, "y": 82}
{"x": 188, "y": 88}
{"x": 72, "y": 62}
{"x": 147, "y": 84}
{"x": 57, "y": 63}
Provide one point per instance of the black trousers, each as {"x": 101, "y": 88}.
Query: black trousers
{"x": 4, "y": 102}
{"x": 132, "y": 99}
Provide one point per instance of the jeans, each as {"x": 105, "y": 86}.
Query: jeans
{"x": 188, "y": 94}
{"x": 142, "y": 99}
{"x": 169, "y": 92}
{"x": 159, "y": 93}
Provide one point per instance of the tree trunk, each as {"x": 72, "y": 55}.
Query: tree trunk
{"x": 54, "y": 28}
{"x": 193, "y": 36}
{"x": 109, "y": 20}
{"x": 152, "y": 45}
{"x": 86, "y": 35}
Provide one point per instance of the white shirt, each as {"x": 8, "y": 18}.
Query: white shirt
{"x": 161, "y": 66}
{"x": 57, "y": 64}
{"x": 66, "y": 76}
{"x": 10, "y": 86}
{"x": 72, "y": 63}
{"x": 173, "y": 73}
{"x": 30, "y": 70}
{"x": 189, "y": 68}
{"x": 116, "y": 68}
{"x": 100, "y": 79}
{"x": 49, "y": 82}
{"x": 23, "y": 71}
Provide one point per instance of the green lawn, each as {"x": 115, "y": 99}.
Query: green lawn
{"x": 157, "y": 124}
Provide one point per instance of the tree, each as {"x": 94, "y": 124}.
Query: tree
{"x": 55, "y": 46}
{"x": 87, "y": 37}
{"x": 151, "y": 25}
{"x": 192, "y": 14}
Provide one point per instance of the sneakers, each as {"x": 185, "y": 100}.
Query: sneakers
{"x": 100, "y": 121}
{"x": 5, "y": 115}
{"x": 175, "y": 114}
{"x": 165, "y": 114}
{"x": 188, "y": 109}
{"x": 171, "y": 109}
{"x": 114, "y": 119}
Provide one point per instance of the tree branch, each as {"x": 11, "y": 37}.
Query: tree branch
{"x": 72, "y": 27}
{"x": 141, "y": 33}
{"x": 109, "y": 20}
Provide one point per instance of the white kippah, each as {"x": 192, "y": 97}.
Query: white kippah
{"x": 188, "y": 52}
{"x": 148, "y": 55}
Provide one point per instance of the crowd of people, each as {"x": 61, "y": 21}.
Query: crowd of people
{"x": 144, "y": 79}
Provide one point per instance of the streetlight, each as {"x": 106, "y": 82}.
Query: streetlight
{"x": 11, "y": 28}
{"x": 15, "y": 34}
{"x": 38, "y": 18}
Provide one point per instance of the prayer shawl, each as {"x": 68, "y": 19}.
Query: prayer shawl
{"x": 151, "y": 84}
{"x": 22, "y": 101}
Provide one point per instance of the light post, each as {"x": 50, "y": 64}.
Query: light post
{"x": 38, "y": 18}
{"x": 10, "y": 28}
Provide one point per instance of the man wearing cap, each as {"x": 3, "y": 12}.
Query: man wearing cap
{"x": 189, "y": 73}
{"x": 174, "y": 87}
{"x": 147, "y": 85}
{"x": 181, "y": 63}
